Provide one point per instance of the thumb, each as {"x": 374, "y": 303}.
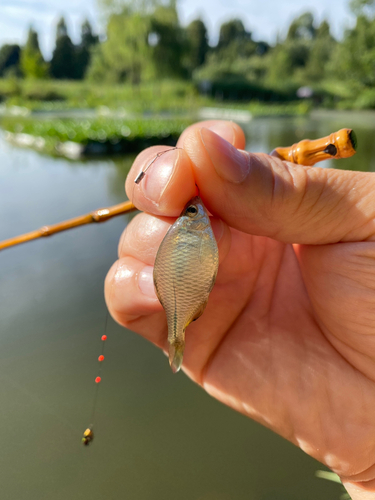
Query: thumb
{"x": 263, "y": 195}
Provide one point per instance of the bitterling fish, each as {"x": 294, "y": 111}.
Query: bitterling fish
{"x": 184, "y": 274}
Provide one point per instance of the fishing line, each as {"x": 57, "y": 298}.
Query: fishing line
{"x": 142, "y": 173}
{"x": 88, "y": 435}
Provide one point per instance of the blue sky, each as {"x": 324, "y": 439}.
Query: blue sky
{"x": 265, "y": 18}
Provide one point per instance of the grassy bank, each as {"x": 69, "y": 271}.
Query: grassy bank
{"x": 52, "y": 94}
{"x": 117, "y": 118}
{"x": 174, "y": 97}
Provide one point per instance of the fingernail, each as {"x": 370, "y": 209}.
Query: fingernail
{"x": 159, "y": 175}
{"x": 146, "y": 281}
{"x": 230, "y": 164}
{"x": 224, "y": 130}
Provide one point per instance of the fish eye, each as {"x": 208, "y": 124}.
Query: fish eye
{"x": 192, "y": 210}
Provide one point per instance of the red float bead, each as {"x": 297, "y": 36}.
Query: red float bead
{"x": 101, "y": 357}
{"x": 104, "y": 337}
{"x": 97, "y": 380}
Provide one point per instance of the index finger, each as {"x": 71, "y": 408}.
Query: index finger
{"x": 173, "y": 182}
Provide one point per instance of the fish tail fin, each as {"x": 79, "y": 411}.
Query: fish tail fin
{"x": 176, "y": 353}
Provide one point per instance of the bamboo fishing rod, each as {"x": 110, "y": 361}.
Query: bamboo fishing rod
{"x": 341, "y": 144}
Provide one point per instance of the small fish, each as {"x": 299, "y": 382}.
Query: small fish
{"x": 184, "y": 274}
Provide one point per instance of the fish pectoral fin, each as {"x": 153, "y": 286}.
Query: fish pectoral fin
{"x": 199, "y": 312}
{"x": 212, "y": 283}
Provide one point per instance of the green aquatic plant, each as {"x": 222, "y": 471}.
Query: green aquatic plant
{"x": 118, "y": 134}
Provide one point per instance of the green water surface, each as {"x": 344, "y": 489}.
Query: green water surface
{"x": 158, "y": 436}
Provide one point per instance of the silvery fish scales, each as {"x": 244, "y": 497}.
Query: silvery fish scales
{"x": 185, "y": 271}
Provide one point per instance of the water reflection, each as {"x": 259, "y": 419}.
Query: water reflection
{"x": 52, "y": 315}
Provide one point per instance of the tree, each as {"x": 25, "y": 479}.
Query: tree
{"x": 168, "y": 48}
{"x": 354, "y": 59}
{"x": 231, "y": 31}
{"x": 9, "y": 58}
{"x": 280, "y": 68}
{"x": 299, "y": 40}
{"x": 302, "y": 28}
{"x": 87, "y": 37}
{"x": 262, "y": 48}
{"x": 321, "y": 53}
{"x": 84, "y": 49}
{"x": 363, "y": 7}
{"x": 235, "y": 41}
{"x": 144, "y": 7}
{"x": 236, "y": 67}
{"x": 32, "y": 62}
{"x": 144, "y": 40}
{"x": 63, "y": 58}
{"x": 197, "y": 41}
{"x": 288, "y": 60}
{"x": 126, "y": 54}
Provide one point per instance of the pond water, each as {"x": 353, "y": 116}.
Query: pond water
{"x": 158, "y": 436}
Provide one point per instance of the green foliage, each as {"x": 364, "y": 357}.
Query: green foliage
{"x": 9, "y": 59}
{"x": 241, "y": 67}
{"x": 280, "y": 67}
{"x": 362, "y": 7}
{"x": 354, "y": 59}
{"x": 99, "y": 129}
{"x": 142, "y": 43}
{"x": 232, "y": 31}
{"x": 303, "y": 58}
{"x": 234, "y": 41}
{"x": 118, "y": 134}
{"x": 168, "y": 50}
{"x": 302, "y": 28}
{"x": 32, "y": 62}
{"x": 143, "y": 7}
{"x": 70, "y": 61}
{"x": 63, "y": 58}
{"x": 84, "y": 49}
{"x": 320, "y": 54}
{"x": 170, "y": 96}
{"x": 125, "y": 55}
{"x": 234, "y": 69}
{"x": 365, "y": 100}
{"x": 291, "y": 57}
{"x": 145, "y": 43}
{"x": 197, "y": 40}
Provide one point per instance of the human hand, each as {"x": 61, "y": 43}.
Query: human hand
{"x": 288, "y": 335}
